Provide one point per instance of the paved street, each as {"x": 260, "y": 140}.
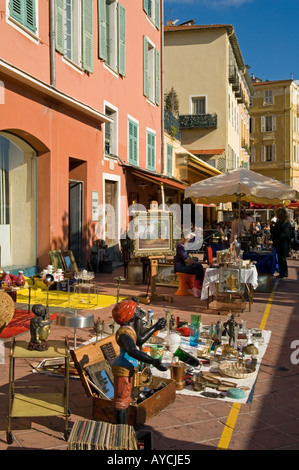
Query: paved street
{"x": 270, "y": 422}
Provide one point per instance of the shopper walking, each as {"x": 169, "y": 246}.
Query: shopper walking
{"x": 282, "y": 233}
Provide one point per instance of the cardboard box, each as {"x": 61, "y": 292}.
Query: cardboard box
{"x": 103, "y": 408}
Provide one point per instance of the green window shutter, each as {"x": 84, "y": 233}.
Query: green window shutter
{"x": 157, "y": 77}
{"x": 169, "y": 160}
{"x": 59, "y": 26}
{"x": 145, "y": 6}
{"x": 133, "y": 143}
{"x": 157, "y": 13}
{"x": 102, "y": 29}
{"x": 23, "y": 11}
{"x": 121, "y": 24}
{"x": 87, "y": 35}
{"x": 151, "y": 145}
{"x": 145, "y": 67}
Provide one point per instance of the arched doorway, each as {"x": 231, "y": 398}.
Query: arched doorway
{"x": 18, "y": 203}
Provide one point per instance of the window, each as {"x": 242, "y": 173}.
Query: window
{"x": 152, "y": 9}
{"x": 198, "y": 105}
{"x": 169, "y": 160}
{"x": 23, "y": 11}
{"x": 151, "y": 151}
{"x": 111, "y": 132}
{"x": 151, "y": 71}
{"x": 112, "y": 34}
{"x": 268, "y": 98}
{"x": 268, "y": 123}
{"x": 74, "y": 31}
{"x": 133, "y": 142}
{"x": 268, "y": 153}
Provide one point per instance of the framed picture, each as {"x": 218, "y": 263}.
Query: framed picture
{"x": 69, "y": 261}
{"x": 229, "y": 280}
{"x": 57, "y": 259}
{"x": 166, "y": 275}
{"x": 264, "y": 283}
{"x": 153, "y": 234}
{"x": 101, "y": 376}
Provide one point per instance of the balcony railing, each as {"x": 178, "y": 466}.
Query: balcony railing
{"x": 188, "y": 121}
{"x": 172, "y": 125}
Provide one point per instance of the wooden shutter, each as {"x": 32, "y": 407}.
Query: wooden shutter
{"x": 23, "y": 11}
{"x": 263, "y": 153}
{"x": 151, "y": 145}
{"x": 169, "y": 160}
{"x": 157, "y": 13}
{"x": 102, "y": 29}
{"x": 263, "y": 124}
{"x": 133, "y": 143}
{"x": 273, "y": 153}
{"x": 121, "y": 25}
{"x": 87, "y": 35}
{"x": 145, "y": 6}
{"x": 273, "y": 123}
{"x": 157, "y": 77}
{"x": 145, "y": 67}
{"x": 59, "y": 26}
{"x": 252, "y": 154}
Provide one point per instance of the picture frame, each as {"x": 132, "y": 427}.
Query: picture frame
{"x": 166, "y": 275}
{"x": 101, "y": 376}
{"x": 57, "y": 259}
{"x": 153, "y": 234}
{"x": 229, "y": 280}
{"x": 69, "y": 261}
{"x": 264, "y": 283}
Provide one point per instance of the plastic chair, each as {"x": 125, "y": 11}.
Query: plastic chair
{"x": 186, "y": 281}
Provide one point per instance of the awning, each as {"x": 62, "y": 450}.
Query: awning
{"x": 292, "y": 205}
{"x": 159, "y": 179}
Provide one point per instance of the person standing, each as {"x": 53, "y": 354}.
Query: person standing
{"x": 282, "y": 233}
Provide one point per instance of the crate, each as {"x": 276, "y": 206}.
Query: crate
{"x": 103, "y": 408}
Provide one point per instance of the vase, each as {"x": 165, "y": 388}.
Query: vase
{"x": 7, "y": 280}
{"x": 20, "y": 281}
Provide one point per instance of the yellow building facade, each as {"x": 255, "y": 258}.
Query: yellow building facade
{"x": 275, "y": 130}
{"x": 204, "y": 65}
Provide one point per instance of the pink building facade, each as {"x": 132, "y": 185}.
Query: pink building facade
{"x": 80, "y": 106}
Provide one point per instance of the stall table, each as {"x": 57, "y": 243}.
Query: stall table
{"x": 249, "y": 276}
{"x": 266, "y": 261}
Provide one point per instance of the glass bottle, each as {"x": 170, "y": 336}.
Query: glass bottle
{"x": 194, "y": 329}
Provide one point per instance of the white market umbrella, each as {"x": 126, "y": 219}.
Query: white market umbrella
{"x": 241, "y": 185}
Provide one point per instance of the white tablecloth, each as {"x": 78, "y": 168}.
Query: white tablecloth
{"x": 248, "y": 276}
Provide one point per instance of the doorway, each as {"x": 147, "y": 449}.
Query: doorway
{"x": 76, "y": 220}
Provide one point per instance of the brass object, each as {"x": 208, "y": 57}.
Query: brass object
{"x": 250, "y": 349}
{"x": 227, "y": 351}
{"x": 205, "y": 379}
{"x": 177, "y": 372}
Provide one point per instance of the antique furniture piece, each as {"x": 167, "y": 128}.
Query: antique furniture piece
{"x": 39, "y": 403}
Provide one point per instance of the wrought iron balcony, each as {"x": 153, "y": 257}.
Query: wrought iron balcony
{"x": 188, "y": 121}
{"x": 172, "y": 125}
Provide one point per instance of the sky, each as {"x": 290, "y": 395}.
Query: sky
{"x": 267, "y": 30}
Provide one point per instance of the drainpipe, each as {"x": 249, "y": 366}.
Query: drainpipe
{"x": 52, "y": 42}
{"x": 162, "y": 96}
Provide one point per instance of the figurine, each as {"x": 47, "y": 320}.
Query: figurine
{"x": 231, "y": 328}
{"x": 172, "y": 324}
{"x": 98, "y": 328}
{"x": 130, "y": 337}
{"x": 39, "y": 328}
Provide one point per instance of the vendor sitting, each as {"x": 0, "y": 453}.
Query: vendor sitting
{"x": 183, "y": 263}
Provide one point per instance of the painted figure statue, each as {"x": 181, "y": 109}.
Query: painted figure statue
{"x": 130, "y": 337}
{"x": 39, "y": 328}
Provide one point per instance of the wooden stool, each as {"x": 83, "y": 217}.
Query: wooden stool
{"x": 186, "y": 281}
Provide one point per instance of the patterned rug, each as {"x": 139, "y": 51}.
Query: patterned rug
{"x": 20, "y": 324}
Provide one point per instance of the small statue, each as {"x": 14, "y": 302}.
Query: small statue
{"x": 218, "y": 332}
{"x": 130, "y": 337}
{"x": 39, "y": 328}
{"x": 98, "y": 328}
{"x": 231, "y": 328}
{"x": 172, "y": 324}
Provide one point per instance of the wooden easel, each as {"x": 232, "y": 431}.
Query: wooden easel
{"x": 153, "y": 280}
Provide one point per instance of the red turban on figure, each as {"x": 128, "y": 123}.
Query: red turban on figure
{"x": 124, "y": 311}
